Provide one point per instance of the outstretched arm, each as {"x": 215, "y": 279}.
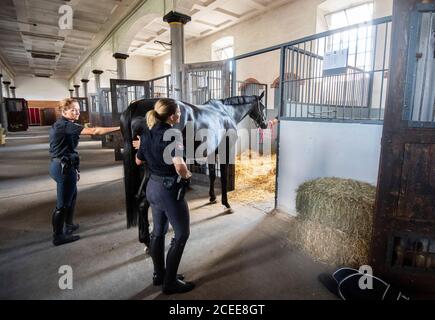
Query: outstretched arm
{"x": 99, "y": 130}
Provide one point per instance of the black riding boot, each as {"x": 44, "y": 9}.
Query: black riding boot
{"x": 144, "y": 225}
{"x": 157, "y": 252}
{"x": 172, "y": 284}
{"x": 59, "y": 237}
{"x": 70, "y": 227}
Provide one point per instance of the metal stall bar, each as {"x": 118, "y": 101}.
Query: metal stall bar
{"x": 344, "y": 89}
{"x": 159, "y": 87}
{"x": 372, "y": 74}
{"x": 383, "y": 69}
{"x": 419, "y": 108}
{"x": 282, "y": 66}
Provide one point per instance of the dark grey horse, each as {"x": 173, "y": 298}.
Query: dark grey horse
{"x": 215, "y": 115}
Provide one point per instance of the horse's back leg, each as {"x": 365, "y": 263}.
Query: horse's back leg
{"x": 211, "y": 163}
{"x": 224, "y": 185}
{"x": 224, "y": 166}
{"x": 212, "y": 177}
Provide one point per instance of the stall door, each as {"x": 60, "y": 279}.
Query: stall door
{"x": 403, "y": 248}
{"x": 124, "y": 92}
{"x": 205, "y": 81}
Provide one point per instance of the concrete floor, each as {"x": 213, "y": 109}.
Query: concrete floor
{"x": 244, "y": 255}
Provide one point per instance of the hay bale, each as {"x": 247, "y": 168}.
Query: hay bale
{"x": 342, "y": 204}
{"x": 335, "y": 220}
{"x": 328, "y": 245}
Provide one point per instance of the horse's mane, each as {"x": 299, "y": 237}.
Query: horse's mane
{"x": 233, "y": 100}
{"x": 238, "y": 100}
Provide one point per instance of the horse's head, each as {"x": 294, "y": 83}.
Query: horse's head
{"x": 258, "y": 112}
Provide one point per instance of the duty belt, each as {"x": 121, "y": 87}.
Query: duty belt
{"x": 161, "y": 178}
{"x": 173, "y": 183}
{"x": 66, "y": 161}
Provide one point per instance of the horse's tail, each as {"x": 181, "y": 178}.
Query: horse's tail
{"x": 131, "y": 170}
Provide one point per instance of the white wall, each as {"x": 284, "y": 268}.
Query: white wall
{"x": 382, "y": 8}
{"x": 159, "y": 65}
{"x": 285, "y": 23}
{"x": 310, "y": 150}
{"x": 139, "y": 68}
{"x": 41, "y": 88}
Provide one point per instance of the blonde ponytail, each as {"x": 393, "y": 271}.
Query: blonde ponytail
{"x": 152, "y": 118}
{"x": 163, "y": 109}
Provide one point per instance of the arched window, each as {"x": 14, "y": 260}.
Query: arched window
{"x": 359, "y": 42}
{"x": 222, "y": 49}
{"x": 346, "y": 17}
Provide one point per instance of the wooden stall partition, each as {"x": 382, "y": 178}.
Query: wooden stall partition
{"x": 403, "y": 246}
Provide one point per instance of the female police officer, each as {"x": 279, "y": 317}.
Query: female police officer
{"x": 64, "y": 168}
{"x": 163, "y": 194}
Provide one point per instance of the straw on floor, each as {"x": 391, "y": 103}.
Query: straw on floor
{"x": 255, "y": 177}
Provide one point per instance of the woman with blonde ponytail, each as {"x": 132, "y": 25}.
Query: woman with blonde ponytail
{"x": 165, "y": 194}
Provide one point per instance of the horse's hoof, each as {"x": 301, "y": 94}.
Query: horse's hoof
{"x": 212, "y": 201}
{"x": 146, "y": 250}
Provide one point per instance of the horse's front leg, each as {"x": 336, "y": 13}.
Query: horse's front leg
{"x": 212, "y": 177}
{"x": 224, "y": 185}
{"x": 144, "y": 233}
